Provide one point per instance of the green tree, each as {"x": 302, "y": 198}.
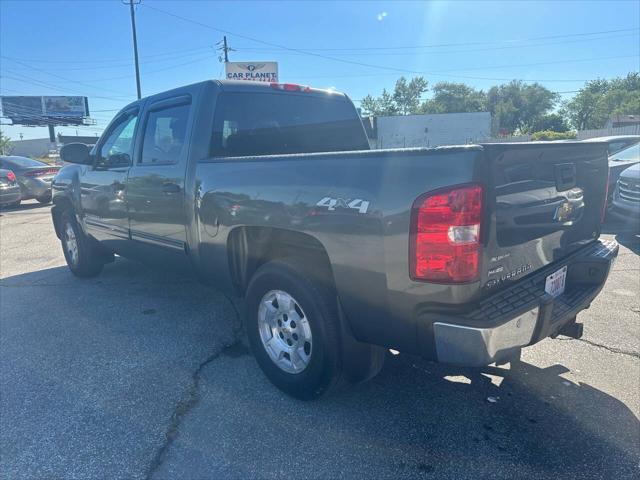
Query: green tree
{"x": 599, "y": 99}
{"x": 407, "y": 94}
{"x": 517, "y": 106}
{"x": 5, "y": 144}
{"x": 452, "y": 97}
{"x": 553, "y": 122}
{"x": 404, "y": 100}
{"x": 382, "y": 106}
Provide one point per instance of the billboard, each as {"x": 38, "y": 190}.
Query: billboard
{"x": 54, "y": 110}
{"x": 252, "y": 71}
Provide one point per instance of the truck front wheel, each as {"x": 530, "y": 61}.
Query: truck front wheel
{"x": 83, "y": 258}
{"x": 293, "y": 329}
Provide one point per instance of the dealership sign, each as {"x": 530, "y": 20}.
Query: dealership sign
{"x": 253, "y": 72}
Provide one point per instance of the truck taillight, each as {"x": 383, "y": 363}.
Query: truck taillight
{"x": 445, "y": 235}
{"x": 290, "y": 87}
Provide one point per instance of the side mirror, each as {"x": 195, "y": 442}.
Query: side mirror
{"x": 75, "y": 153}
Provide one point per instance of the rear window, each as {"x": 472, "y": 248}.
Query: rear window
{"x": 271, "y": 124}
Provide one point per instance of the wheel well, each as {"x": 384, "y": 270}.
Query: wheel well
{"x": 251, "y": 247}
{"x": 60, "y": 204}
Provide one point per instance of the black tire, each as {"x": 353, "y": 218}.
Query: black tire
{"x": 44, "y": 199}
{"x": 324, "y": 368}
{"x": 88, "y": 261}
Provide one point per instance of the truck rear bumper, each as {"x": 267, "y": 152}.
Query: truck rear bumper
{"x": 523, "y": 314}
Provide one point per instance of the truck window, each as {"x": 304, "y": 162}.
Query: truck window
{"x": 117, "y": 149}
{"x": 164, "y": 135}
{"x": 272, "y": 123}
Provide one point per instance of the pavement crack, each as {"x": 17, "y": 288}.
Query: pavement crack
{"x": 619, "y": 351}
{"x": 192, "y": 396}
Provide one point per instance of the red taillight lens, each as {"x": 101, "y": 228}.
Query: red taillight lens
{"x": 11, "y": 176}
{"x": 41, "y": 173}
{"x": 445, "y": 235}
{"x": 290, "y": 87}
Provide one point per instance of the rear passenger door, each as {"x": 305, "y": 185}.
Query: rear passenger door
{"x": 155, "y": 186}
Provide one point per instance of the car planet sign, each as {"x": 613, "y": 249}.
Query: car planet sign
{"x": 253, "y": 72}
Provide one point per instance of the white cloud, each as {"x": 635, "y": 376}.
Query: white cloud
{"x": 381, "y": 16}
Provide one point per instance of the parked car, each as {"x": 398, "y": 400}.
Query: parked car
{"x": 620, "y": 161}
{"x": 460, "y": 254}
{"x": 33, "y": 176}
{"x": 9, "y": 189}
{"x": 616, "y": 143}
{"x": 626, "y": 197}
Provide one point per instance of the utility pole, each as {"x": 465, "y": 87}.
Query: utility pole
{"x": 225, "y": 48}
{"x": 135, "y": 42}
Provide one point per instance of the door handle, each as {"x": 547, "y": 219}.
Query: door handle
{"x": 170, "y": 187}
{"x": 118, "y": 186}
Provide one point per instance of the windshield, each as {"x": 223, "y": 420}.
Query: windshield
{"x": 629, "y": 154}
{"x": 23, "y": 162}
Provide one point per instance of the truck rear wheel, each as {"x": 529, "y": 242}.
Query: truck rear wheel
{"x": 293, "y": 329}
{"x": 83, "y": 258}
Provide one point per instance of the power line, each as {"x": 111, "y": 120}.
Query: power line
{"x": 450, "y": 52}
{"x": 63, "y": 78}
{"x": 341, "y": 60}
{"x": 39, "y": 83}
{"x": 460, "y": 44}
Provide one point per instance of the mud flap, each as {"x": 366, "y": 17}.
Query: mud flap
{"x": 361, "y": 361}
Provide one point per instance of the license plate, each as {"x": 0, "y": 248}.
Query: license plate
{"x": 554, "y": 285}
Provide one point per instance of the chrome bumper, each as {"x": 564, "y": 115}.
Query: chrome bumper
{"x": 471, "y": 346}
{"x": 523, "y": 314}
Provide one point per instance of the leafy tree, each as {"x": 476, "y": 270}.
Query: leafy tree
{"x": 407, "y": 94}
{"x": 404, "y": 100}
{"x": 382, "y": 106}
{"x": 516, "y": 105}
{"x": 553, "y": 122}
{"x": 599, "y": 99}
{"x": 5, "y": 144}
{"x": 452, "y": 97}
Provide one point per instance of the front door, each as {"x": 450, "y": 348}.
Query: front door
{"x": 155, "y": 187}
{"x": 102, "y": 185}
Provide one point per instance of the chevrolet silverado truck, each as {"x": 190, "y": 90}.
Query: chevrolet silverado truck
{"x": 460, "y": 254}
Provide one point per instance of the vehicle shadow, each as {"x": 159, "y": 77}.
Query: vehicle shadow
{"x": 34, "y": 205}
{"x": 415, "y": 419}
{"x": 627, "y": 233}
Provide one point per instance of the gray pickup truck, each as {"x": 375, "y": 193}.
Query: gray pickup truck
{"x": 459, "y": 254}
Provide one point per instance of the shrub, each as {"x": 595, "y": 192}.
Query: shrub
{"x": 551, "y": 135}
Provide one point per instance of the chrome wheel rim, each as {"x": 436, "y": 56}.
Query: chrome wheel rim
{"x": 285, "y": 331}
{"x": 71, "y": 243}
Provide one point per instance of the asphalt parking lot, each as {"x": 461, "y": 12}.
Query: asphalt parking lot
{"x": 140, "y": 374}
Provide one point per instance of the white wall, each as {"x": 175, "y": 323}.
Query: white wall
{"x": 432, "y": 130}
{"x": 36, "y": 147}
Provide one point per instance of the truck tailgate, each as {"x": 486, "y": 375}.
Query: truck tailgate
{"x": 545, "y": 201}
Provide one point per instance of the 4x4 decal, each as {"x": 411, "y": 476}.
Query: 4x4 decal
{"x": 332, "y": 203}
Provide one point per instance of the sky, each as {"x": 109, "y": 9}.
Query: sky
{"x": 85, "y": 47}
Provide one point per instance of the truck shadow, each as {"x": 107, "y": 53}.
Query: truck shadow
{"x": 416, "y": 419}
{"x": 627, "y": 234}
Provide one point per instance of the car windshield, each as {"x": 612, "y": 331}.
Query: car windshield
{"x": 24, "y": 162}
{"x": 629, "y": 154}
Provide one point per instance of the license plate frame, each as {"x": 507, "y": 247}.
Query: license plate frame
{"x": 556, "y": 283}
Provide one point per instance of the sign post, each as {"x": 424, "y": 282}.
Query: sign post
{"x": 252, "y": 71}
